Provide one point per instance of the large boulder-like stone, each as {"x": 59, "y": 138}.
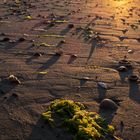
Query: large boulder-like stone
{"x": 108, "y": 104}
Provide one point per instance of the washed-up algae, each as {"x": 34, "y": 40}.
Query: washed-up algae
{"x": 75, "y": 119}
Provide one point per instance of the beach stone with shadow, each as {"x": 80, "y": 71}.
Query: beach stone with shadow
{"x": 133, "y": 78}
{"x": 108, "y": 104}
{"x": 13, "y": 79}
{"x": 122, "y": 69}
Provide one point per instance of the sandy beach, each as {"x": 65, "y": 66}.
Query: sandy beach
{"x": 62, "y": 49}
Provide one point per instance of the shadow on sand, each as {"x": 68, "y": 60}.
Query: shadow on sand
{"x": 124, "y": 75}
{"x": 43, "y": 131}
{"x": 65, "y": 31}
{"x": 102, "y": 93}
{"x": 5, "y": 87}
{"x": 134, "y": 92}
{"x": 11, "y": 45}
{"x": 108, "y": 115}
{"x": 29, "y": 60}
{"x": 47, "y": 65}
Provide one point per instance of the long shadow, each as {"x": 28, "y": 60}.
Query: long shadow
{"x": 11, "y": 45}
{"x": 87, "y": 26}
{"x": 93, "y": 48}
{"x": 41, "y": 24}
{"x": 29, "y": 60}
{"x": 124, "y": 75}
{"x": 134, "y": 91}
{"x": 47, "y": 65}
{"x": 82, "y": 82}
{"x": 108, "y": 115}
{"x": 102, "y": 93}
{"x": 43, "y": 131}
{"x": 30, "y": 47}
{"x": 49, "y": 62}
{"x": 5, "y": 87}
{"x": 65, "y": 31}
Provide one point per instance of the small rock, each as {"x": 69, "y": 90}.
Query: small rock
{"x": 62, "y": 41}
{"x": 122, "y": 69}
{"x": 71, "y": 25}
{"x": 103, "y": 85}
{"x": 85, "y": 78}
{"x": 74, "y": 56}
{"x": 124, "y": 31}
{"x": 2, "y": 34}
{"x": 126, "y": 63}
{"x": 14, "y": 95}
{"x": 121, "y": 38}
{"x": 12, "y": 41}
{"x": 78, "y": 95}
{"x": 59, "y": 53}
{"x": 51, "y": 24}
{"x": 32, "y": 40}
{"x": 4, "y": 97}
{"x": 133, "y": 78}
{"x": 21, "y": 39}
{"x": 13, "y": 79}
{"x": 37, "y": 54}
{"x": 130, "y": 51}
{"x": 108, "y": 104}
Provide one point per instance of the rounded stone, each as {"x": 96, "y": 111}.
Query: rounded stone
{"x": 108, "y": 104}
{"x": 133, "y": 78}
{"x": 59, "y": 53}
{"x": 21, "y": 39}
{"x": 122, "y": 69}
{"x": 70, "y": 25}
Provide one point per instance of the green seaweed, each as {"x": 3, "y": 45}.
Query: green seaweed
{"x": 75, "y": 119}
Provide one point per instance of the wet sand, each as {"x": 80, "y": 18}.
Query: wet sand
{"x": 90, "y": 38}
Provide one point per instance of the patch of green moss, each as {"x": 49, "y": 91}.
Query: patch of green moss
{"x": 83, "y": 124}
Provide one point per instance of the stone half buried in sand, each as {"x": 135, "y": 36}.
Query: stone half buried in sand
{"x": 13, "y": 79}
{"x": 103, "y": 85}
{"x": 83, "y": 125}
{"x": 122, "y": 69}
{"x": 133, "y": 78}
{"x": 108, "y": 104}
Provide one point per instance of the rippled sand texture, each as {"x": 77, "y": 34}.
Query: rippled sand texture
{"x": 104, "y": 32}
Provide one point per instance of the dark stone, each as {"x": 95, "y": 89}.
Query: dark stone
{"x": 71, "y": 25}
{"x": 122, "y": 69}
{"x": 133, "y": 78}
{"x": 108, "y": 104}
{"x": 59, "y": 53}
{"x": 62, "y": 41}
{"x": 126, "y": 63}
{"x": 37, "y": 54}
{"x": 21, "y": 39}
{"x": 5, "y": 39}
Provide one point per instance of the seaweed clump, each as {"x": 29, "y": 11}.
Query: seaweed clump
{"x": 74, "y": 118}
